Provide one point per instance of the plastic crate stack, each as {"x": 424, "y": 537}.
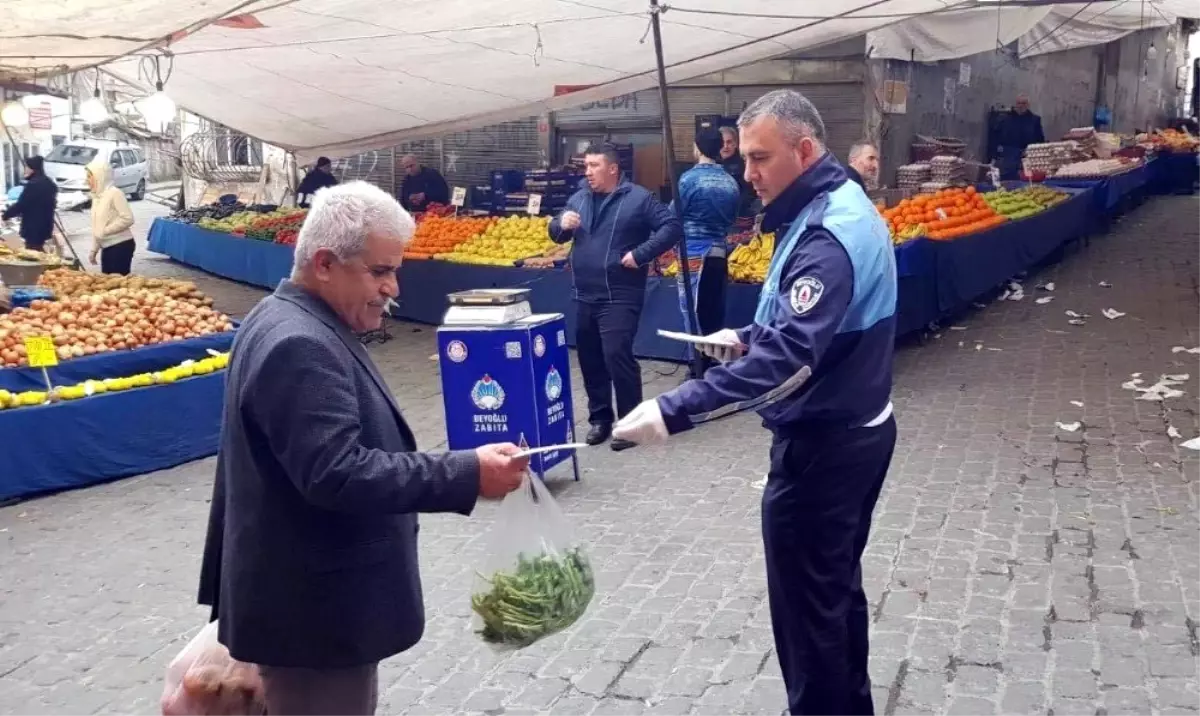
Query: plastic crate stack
{"x": 511, "y": 188}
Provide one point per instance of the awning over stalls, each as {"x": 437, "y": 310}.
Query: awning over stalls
{"x": 1037, "y": 28}
{"x": 39, "y": 38}
{"x": 338, "y": 77}
{"x": 1070, "y": 26}
{"x": 951, "y": 35}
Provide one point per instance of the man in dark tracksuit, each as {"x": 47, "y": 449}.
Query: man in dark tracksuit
{"x": 817, "y": 366}
{"x": 617, "y": 229}
{"x": 1018, "y": 130}
{"x": 35, "y": 206}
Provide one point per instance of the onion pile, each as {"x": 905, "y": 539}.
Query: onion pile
{"x": 112, "y": 321}
{"x": 67, "y": 282}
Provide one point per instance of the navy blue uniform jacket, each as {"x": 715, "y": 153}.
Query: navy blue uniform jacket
{"x": 311, "y": 554}
{"x": 629, "y": 219}
{"x": 834, "y": 315}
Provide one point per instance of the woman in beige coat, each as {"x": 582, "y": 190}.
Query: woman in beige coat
{"x": 112, "y": 241}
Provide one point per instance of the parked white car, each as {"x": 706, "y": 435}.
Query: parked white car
{"x": 66, "y": 163}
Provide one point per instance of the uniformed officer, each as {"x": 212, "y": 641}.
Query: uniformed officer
{"x": 817, "y": 366}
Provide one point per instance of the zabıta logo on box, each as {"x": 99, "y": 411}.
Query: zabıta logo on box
{"x": 456, "y": 351}
{"x": 554, "y": 384}
{"x": 487, "y": 394}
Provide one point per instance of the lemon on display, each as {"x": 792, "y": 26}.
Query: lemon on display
{"x": 508, "y": 240}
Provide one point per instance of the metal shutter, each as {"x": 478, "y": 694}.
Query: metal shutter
{"x": 686, "y": 103}
{"x": 468, "y": 158}
{"x": 639, "y": 110}
{"x": 841, "y": 107}
{"x": 376, "y": 167}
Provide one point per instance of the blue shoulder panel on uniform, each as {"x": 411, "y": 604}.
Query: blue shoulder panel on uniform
{"x": 854, "y": 222}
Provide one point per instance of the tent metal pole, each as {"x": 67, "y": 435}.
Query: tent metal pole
{"x": 685, "y": 273}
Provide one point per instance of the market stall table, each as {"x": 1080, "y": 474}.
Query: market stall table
{"x": 116, "y": 364}
{"x": 973, "y": 265}
{"x": 109, "y": 436}
{"x": 258, "y": 263}
{"x": 1177, "y": 172}
{"x": 1112, "y": 193}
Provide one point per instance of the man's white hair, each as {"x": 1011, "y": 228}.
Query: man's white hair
{"x": 342, "y": 216}
{"x": 861, "y": 146}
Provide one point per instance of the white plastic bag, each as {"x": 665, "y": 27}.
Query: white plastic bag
{"x": 537, "y": 580}
{"x": 204, "y": 680}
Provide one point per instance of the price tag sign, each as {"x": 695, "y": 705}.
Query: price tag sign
{"x": 459, "y": 197}
{"x": 40, "y": 352}
{"x": 535, "y": 204}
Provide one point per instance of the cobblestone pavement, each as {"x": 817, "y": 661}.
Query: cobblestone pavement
{"x": 1015, "y": 566}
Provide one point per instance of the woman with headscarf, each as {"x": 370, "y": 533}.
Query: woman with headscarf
{"x": 112, "y": 241}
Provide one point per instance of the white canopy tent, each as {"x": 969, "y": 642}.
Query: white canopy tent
{"x": 338, "y": 77}
{"x": 1037, "y": 29}
{"x": 1067, "y": 27}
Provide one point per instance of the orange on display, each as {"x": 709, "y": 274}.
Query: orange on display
{"x": 945, "y": 214}
{"x": 441, "y": 234}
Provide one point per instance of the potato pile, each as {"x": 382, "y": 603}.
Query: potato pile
{"x": 66, "y": 283}
{"x": 114, "y": 320}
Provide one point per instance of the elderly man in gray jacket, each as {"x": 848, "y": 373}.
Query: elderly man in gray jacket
{"x": 311, "y": 556}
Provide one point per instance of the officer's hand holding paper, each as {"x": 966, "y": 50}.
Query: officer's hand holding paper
{"x": 803, "y": 304}
{"x": 725, "y": 345}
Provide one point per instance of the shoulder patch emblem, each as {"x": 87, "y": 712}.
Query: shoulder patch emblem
{"x": 805, "y": 293}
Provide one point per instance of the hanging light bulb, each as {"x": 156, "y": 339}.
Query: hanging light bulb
{"x": 158, "y": 109}
{"x": 93, "y": 110}
{"x": 14, "y": 114}
{"x": 1151, "y": 52}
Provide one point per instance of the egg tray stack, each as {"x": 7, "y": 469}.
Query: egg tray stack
{"x": 948, "y": 170}
{"x": 1094, "y": 168}
{"x": 912, "y": 176}
{"x": 1086, "y": 138}
{"x": 1049, "y": 156}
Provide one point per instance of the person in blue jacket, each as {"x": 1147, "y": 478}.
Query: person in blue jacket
{"x": 617, "y": 229}
{"x": 817, "y": 366}
{"x": 708, "y": 204}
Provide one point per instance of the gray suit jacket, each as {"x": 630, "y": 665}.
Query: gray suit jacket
{"x": 311, "y": 553}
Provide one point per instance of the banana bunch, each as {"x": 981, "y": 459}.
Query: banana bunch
{"x": 748, "y": 262}
{"x": 910, "y": 232}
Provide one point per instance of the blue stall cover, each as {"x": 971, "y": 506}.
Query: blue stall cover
{"x": 935, "y": 277}
{"x": 109, "y": 436}
{"x": 118, "y": 364}
{"x": 969, "y": 267}
{"x": 1109, "y": 191}
{"x": 258, "y": 263}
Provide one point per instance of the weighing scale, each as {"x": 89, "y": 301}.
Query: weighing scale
{"x": 487, "y": 307}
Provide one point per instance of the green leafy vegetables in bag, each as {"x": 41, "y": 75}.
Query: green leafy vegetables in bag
{"x": 544, "y": 595}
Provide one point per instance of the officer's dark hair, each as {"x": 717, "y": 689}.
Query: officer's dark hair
{"x": 794, "y": 112}
{"x": 323, "y": 162}
{"x": 604, "y": 149}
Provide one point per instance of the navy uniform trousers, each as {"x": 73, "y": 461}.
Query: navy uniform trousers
{"x": 816, "y": 515}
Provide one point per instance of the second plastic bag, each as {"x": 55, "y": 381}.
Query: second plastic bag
{"x": 537, "y": 580}
{"x": 204, "y": 680}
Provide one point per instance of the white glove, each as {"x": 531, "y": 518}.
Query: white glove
{"x": 729, "y": 346}
{"x": 643, "y": 426}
